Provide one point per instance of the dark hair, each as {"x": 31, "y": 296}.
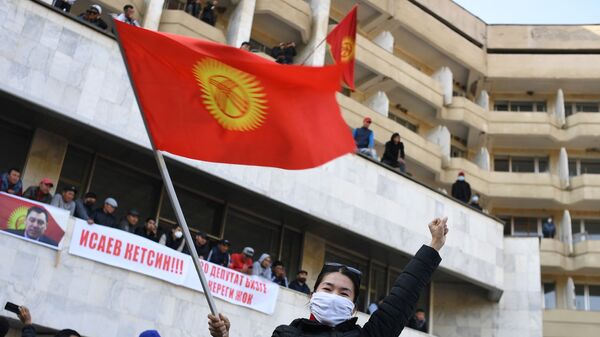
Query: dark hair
{"x": 39, "y": 210}
{"x": 277, "y": 264}
{"x": 13, "y": 169}
{"x": 302, "y": 272}
{"x": 126, "y": 7}
{"x": 175, "y": 226}
{"x": 245, "y": 43}
{"x": 344, "y": 271}
{"x": 67, "y": 333}
{"x": 147, "y": 220}
{"x": 3, "y": 326}
{"x": 420, "y": 310}
{"x": 396, "y": 134}
{"x": 90, "y": 195}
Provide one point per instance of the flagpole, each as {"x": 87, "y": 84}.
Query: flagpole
{"x": 164, "y": 172}
{"x": 313, "y": 51}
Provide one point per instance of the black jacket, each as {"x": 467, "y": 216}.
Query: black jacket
{"x": 461, "y": 190}
{"x": 303, "y": 288}
{"x": 42, "y": 239}
{"x": 393, "y": 313}
{"x": 202, "y": 251}
{"x": 392, "y": 150}
{"x": 104, "y": 219}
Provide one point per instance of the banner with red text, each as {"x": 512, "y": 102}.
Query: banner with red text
{"x": 32, "y": 220}
{"x": 135, "y": 253}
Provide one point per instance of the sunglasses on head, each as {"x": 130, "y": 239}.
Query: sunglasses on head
{"x": 334, "y": 265}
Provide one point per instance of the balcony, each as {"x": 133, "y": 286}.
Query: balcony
{"x": 555, "y": 257}
{"x": 543, "y": 37}
{"x": 570, "y": 323}
{"x": 283, "y": 21}
{"x": 179, "y": 22}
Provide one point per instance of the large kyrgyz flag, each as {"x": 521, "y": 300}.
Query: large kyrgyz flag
{"x": 342, "y": 44}
{"x": 212, "y": 102}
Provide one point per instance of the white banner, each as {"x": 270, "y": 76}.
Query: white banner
{"x": 135, "y": 253}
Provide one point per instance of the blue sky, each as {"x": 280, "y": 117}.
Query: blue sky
{"x": 534, "y": 11}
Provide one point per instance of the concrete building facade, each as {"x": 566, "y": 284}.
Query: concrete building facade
{"x": 514, "y": 107}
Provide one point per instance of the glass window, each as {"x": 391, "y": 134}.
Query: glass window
{"x": 572, "y": 167}
{"x": 586, "y": 107}
{"x": 378, "y": 283}
{"x": 507, "y": 225}
{"x": 549, "y": 295}
{"x": 540, "y": 106}
{"x": 580, "y": 297}
{"x": 525, "y": 227}
{"x": 501, "y": 106}
{"x": 592, "y": 227}
{"x": 521, "y": 106}
{"x": 200, "y": 213}
{"x": 243, "y": 230}
{"x": 456, "y": 152}
{"x": 14, "y": 155}
{"x": 543, "y": 165}
{"x": 412, "y": 127}
{"x": 501, "y": 164}
{"x": 594, "y": 292}
{"x": 590, "y": 166}
{"x": 76, "y": 168}
{"x": 291, "y": 252}
{"x": 131, "y": 189}
{"x": 569, "y": 108}
{"x": 523, "y": 164}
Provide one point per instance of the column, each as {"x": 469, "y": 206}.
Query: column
{"x": 563, "y": 168}
{"x": 444, "y": 77}
{"x": 313, "y": 256}
{"x": 484, "y": 100}
{"x": 379, "y": 102}
{"x": 318, "y": 33}
{"x": 482, "y": 159}
{"x": 385, "y": 40}
{"x": 566, "y": 233}
{"x": 441, "y": 136}
{"x": 570, "y": 294}
{"x": 559, "y": 108}
{"x": 154, "y": 10}
{"x": 45, "y": 158}
{"x": 240, "y": 23}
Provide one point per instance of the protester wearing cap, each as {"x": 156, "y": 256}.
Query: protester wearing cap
{"x": 242, "y": 262}
{"x": 461, "y": 189}
{"x": 219, "y": 254}
{"x": 130, "y": 221}
{"x": 262, "y": 267}
{"x": 104, "y": 216}
{"x": 41, "y": 192}
{"x": 333, "y": 303}
{"x": 202, "y": 245}
{"x": 65, "y": 200}
{"x": 84, "y": 207}
{"x": 365, "y": 139}
{"x": 92, "y": 16}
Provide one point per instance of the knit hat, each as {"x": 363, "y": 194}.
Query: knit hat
{"x": 150, "y": 333}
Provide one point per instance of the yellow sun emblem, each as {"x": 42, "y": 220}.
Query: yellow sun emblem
{"x": 16, "y": 219}
{"x": 347, "y": 49}
{"x": 234, "y": 98}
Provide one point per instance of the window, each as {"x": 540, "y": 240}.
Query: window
{"x": 76, "y": 169}
{"x": 377, "y": 284}
{"x": 200, "y": 213}
{"x": 549, "y": 295}
{"x": 14, "y": 155}
{"x": 291, "y": 251}
{"x": 525, "y": 227}
{"x": 584, "y": 166}
{"x": 456, "y": 152}
{"x": 521, "y": 164}
{"x": 256, "y": 46}
{"x": 131, "y": 188}
{"x": 573, "y": 171}
{"x": 520, "y": 106}
{"x": 412, "y": 127}
{"x": 585, "y": 229}
{"x": 244, "y": 230}
{"x": 575, "y": 107}
{"x": 587, "y": 297}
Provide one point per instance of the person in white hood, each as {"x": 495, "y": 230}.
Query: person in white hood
{"x": 262, "y": 267}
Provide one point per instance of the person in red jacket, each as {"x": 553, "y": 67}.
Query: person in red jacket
{"x": 242, "y": 262}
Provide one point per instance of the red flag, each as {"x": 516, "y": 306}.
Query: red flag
{"x": 212, "y": 102}
{"x": 342, "y": 44}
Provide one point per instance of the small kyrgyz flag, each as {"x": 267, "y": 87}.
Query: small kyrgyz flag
{"x": 342, "y": 44}
{"x": 212, "y": 102}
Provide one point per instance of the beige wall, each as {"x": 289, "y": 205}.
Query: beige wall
{"x": 557, "y": 37}
{"x": 45, "y": 158}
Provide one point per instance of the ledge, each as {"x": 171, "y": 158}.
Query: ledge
{"x": 295, "y": 13}
{"x": 179, "y": 22}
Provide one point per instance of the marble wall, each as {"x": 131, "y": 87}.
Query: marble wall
{"x": 77, "y": 72}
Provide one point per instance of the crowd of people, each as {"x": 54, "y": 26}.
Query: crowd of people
{"x": 85, "y": 208}
{"x": 204, "y": 10}
{"x": 93, "y": 15}
{"x": 284, "y": 53}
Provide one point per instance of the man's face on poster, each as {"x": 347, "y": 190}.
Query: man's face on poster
{"x": 36, "y": 224}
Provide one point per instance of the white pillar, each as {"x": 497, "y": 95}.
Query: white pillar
{"x": 154, "y": 10}
{"x": 484, "y": 100}
{"x": 379, "y": 102}
{"x": 318, "y": 32}
{"x": 482, "y": 159}
{"x": 385, "y": 40}
{"x": 441, "y": 136}
{"x": 444, "y": 77}
{"x": 239, "y": 28}
{"x": 559, "y": 108}
{"x": 563, "y": 168}
{"x": 566, "y": 233}
{"x": 570, "y": 294}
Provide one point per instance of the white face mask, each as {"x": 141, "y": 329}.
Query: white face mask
{"x": 178, "y": 234}
{"x": 461, "y": 178}
{"x": 330, "y": 309}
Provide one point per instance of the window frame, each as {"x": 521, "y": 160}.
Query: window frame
{"x": 536, "y": 163}
{"x": 509, "y": 105}
{"x": 586, "y": 296}
{"x": 571, "y": 107}
{"x": 511, "y": 223}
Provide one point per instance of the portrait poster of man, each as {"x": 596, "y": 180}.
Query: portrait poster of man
{"x": 32, "y": 221}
